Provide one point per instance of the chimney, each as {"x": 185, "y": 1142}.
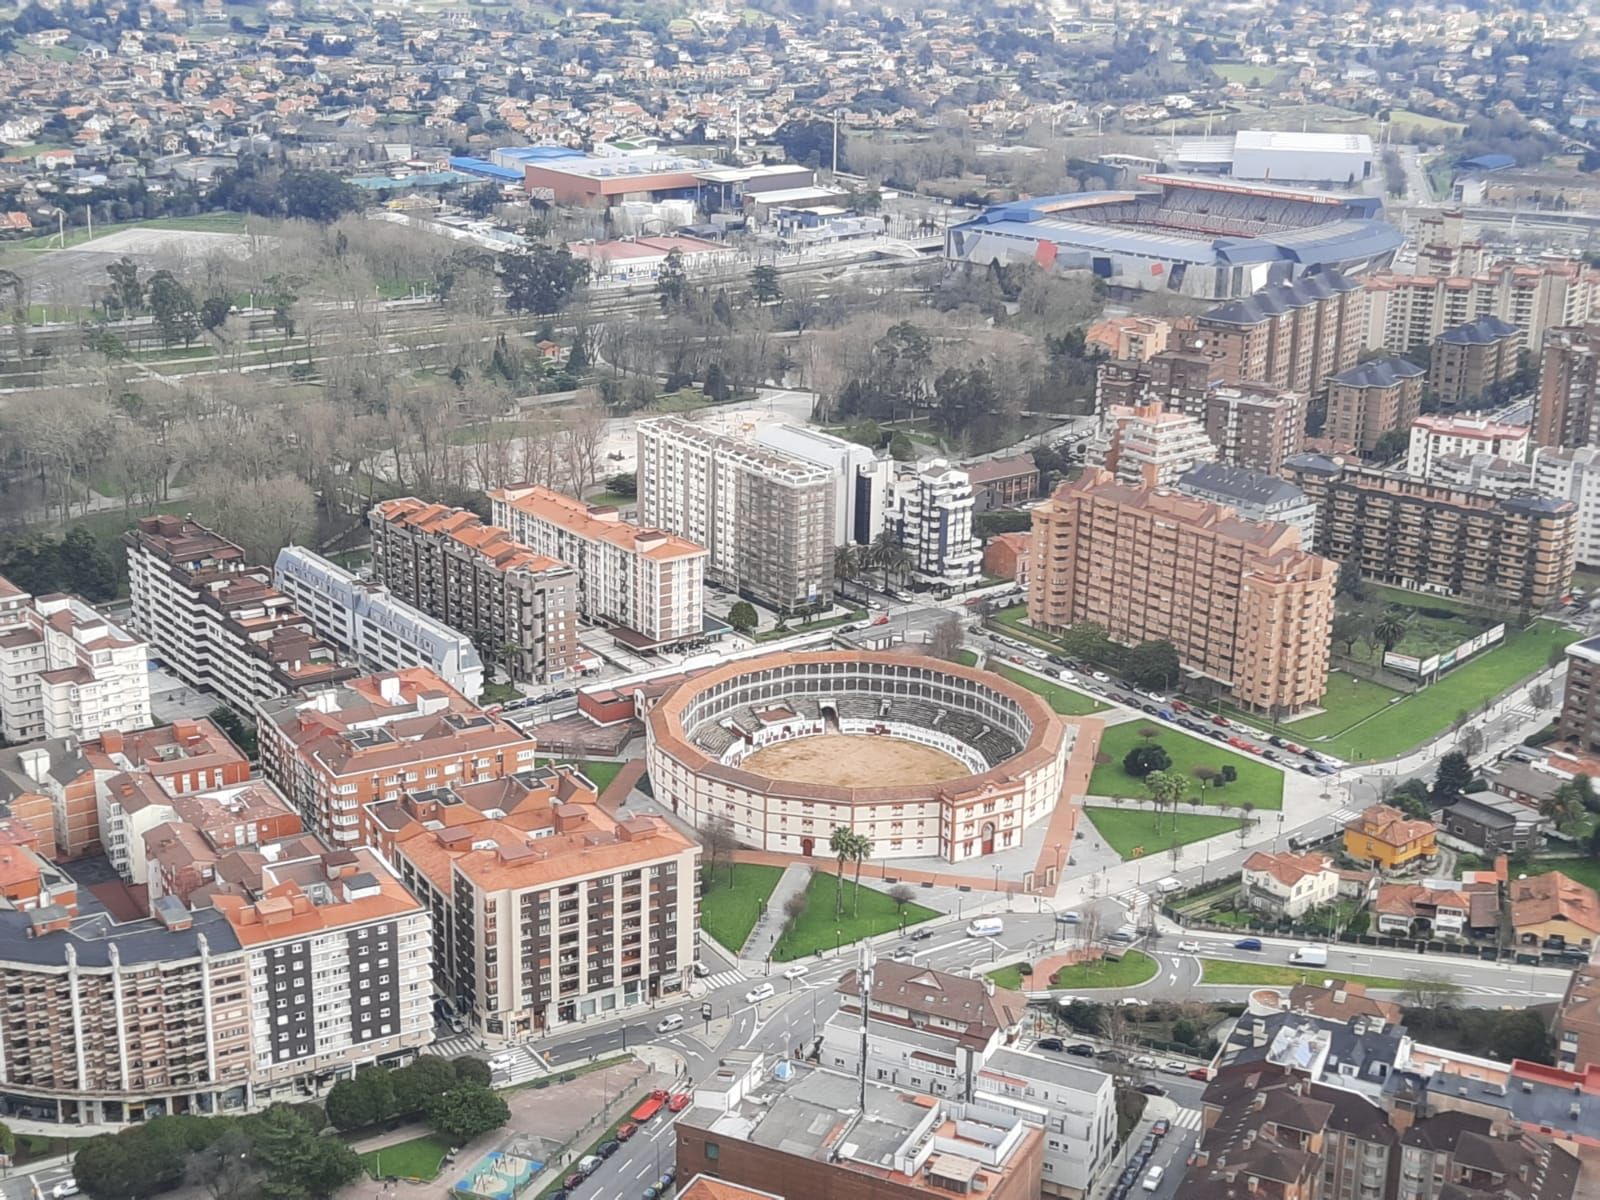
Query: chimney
{"x": 36, "y": 764}
{"x": 111, "y": 741}
{"x": 988, "y": 986}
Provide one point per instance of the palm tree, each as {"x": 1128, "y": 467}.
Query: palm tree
{"x": 842, "y": 843}
{"x": 1390, "y": 628}
{"x": 1166, "y": 788}
{"x": 846, "y": 564}
{"x": 889, "y": 555}
{"x": 860, "y": 851}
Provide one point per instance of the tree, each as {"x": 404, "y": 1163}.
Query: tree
{"x": 1541, "y": 697}
{"x": 365, "y": 1100}
{"x": 419, "y": 1081}
{"x": 540, "y": 279}
{"x": 1152, "y": 665}
{"x": 1412, "y": 798}
{"x": 1471, "y": 743}
{"x": 718, "y": 839}
{"x": 860, "y": 851}
{"x": 945, "y": 640}
{"x": 1565, "y": 806}
{"x": 901, "y": 448}
{"x": 1430, "y": 992}
{"x": 1391, "y": 445}
{"x": 1390, "y": 628}
{"x": 224, "y": 1168}
{"x": 1143, "y": 759}
{"x": 902, "y": 895}
{"x": 214, "y": 310}
{"x": 764, "y": 285}
{"x": 1086, "y": 640}
{"x": 846, "y": 564}
{"x": 467, "y": 1111}
{"x": 1349, "y": 582}
{"x": 1347, "y": 628}
{"x": 842, "y": 843}
{"x": 126, "y": 288}
{"x": 742, "y": 616}
{"x": 1167, "y": 789}
{"x": 889, "y": 554}
{"x": 263, "y": 515}
{"x": 472, "y": 1070}
{"x": 1453, "y": 777}
{"x": 672, "y": 282}
{"x": 298, "y": 1163}
{"x": 173, "y": 306}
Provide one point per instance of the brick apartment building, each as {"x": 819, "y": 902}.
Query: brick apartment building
{"x": 1469, "y": 361}
{"x": 1370, "y": 399}
{"x": 1577, "y": 1021}
{"x": 1292, "y": 336}
{"x": 1003, "y": 482}
{"x": 1517, "y": 551}
{"x": 551, "y": 912}
{"x": 478, "y": 579}
{"x": 216, "y": 621}
{"x": 336, "y": 751}
{"x": 1243, "y": 604}
{"x": 1579, "y": 722}
{"x": 65, "y": 670}
{"x": 647, "y": 584}
{"x": 1568, "y": 411}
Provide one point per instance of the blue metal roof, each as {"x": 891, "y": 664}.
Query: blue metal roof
{"x": 482, "y": 166}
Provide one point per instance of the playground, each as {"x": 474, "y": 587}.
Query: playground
{"x": 501, "y": 1174}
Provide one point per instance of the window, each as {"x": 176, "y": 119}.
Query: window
{"x": 713, "y": 1151}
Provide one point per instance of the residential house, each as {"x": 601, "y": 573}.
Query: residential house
{"x": 1554, "y": 912}
{"x": 1386, "y": 838}
{"x": 1495, "y": 824}
{"x": 1287, "y": 885}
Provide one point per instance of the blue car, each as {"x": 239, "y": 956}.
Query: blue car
{"x": 1247, "y": 944}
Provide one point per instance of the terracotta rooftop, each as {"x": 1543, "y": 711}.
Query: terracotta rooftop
{"x": 596, "y": 524}
{"x": 491, "y": 543}
{"x": 1288, "y": 869}
{"x": 1554, "y": 897}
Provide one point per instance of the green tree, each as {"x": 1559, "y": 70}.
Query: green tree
{"x": 716, "y": 386}
{"x": 1349, "y": 582}
{"x": 540, "y": 279}
{"x": 419, "y": 1081}
{"x": 742, "y": 616}
{"x": 214, "y": 311}
{"x": 1086, "y": 640}
{"x": 296, "y": 1162}
{"x": 127, "y": 290}
{"x": 1565, "y": 806}
{"x": 888, "y": 554}
{"x": 842, "y": 843}
{"x": 1390, "y": 628}
{"x": 1167, "y": 790}
{"x": 1453, "y": 777}
{"x": 672, "y": 282}
{"x": 764, "y": 285}
{"x": 173, "y": 306}
{"x": 1152, "y": 665}
{"x": 8, "y": 1141}
{"x": 1391, "y": 445}
{"x": 85, "y": 568}
{"x": 365, "y": 1100}
{"x": 1347, "y": 628}
{"x": 902, "y": 448}
{"x": 1144, "y": 759}
{"x": 467, "y": 1111}
{"x": 472, "y": 1070}
{"x": 238, "y": 732}
{"x": 846, "y": 563}
{"x": 319, "y": 196}
{"x": 860, "y": 851}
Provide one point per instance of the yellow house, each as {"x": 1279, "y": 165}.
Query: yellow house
{"x": 1386, "y": 838}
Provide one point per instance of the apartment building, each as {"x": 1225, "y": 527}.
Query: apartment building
{"x": 1254, "y": 496}
{"x": 1149, "y": 446}
{"x": 1003, "y": 482}
{"x": 646, "y": 584}
{"x": 1255, "y": 426}
{"x": 1568, "y": 410}
{"x": 1177, "y": 379}
{"x": 862, "y": 480}
{"x": 765, "y": 516}
{"x": 337, "y": 750}
{"x": 1573, "y": 474}
{"x": 549, "y": 910}
{"x": 1579, "y": 722}
{"x": 1241, "y": 602}
{"x": 1481, "y": 473}
{"x": 1292, "y": 336}
{"x": 1577, "y": 1020}
{"x": 1436, "y": 436}
{"x": 217, "y": 622}
{"x": 1370, "y": 399}
{"x": 1407, "y": 312}
{"x": 478, "y": 579}
{"x": 1516, "y": 551}
{"x": 1134, "y": 338}
{"x": 933, "y": 520}
{"x": 369, "y": 624}
{"x": 1470, "y": 362}
{"x": 65, "y": 670}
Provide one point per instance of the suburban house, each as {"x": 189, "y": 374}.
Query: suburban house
{"x": 1287, "y": 885}
{"x": 1386, "y": 838}
{"x": 1496, "y": 824}
{"x": 1530, "y": 784}
{"x": 1554, "y": 912}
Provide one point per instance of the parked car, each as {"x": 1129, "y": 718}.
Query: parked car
{"x": 626, "y": 1130}
{"x": 1144, "y": 1060}
{"x": 1161, "y": 1128}
{"x": 1173, "y": 1067}
{"x": 1306, "y": 769}
{"x": 1274, "y": 740}
{"x": 1219, "y": 719}
{"x": 1101, "y": 676}
{"x": 1180, "y": 706}
{"x": 607, "y": 1149}
{"x": 1081, "y": 1050}
{"x": 1052, "y": 1043}
{"x": 679, "y": 1102}
{"x": 1152, "y": 1089}
{"x": 1220, "y": 734}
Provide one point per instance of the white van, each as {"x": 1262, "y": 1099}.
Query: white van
{"x": 757, "y": 994}
{"x": 589, "y": 1164}
{"x": 669, "y": 1023}
{"x": 986, "y": 927}
{"x": 1168, "y": 885}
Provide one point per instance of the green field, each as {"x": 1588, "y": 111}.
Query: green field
{"x": 1258, "y": 782}
{"x": 1346, "y": 701}
{"x": 1248, "y": 74}
{"x": 225, "y": 222}
{"x": 818, "y": 929}
{"x": 1131, "y": 970}
{"x": 1062, "y": 699}
{"x": 417, "y": 1159}
{"x": 729, "y": 913}
{"x": 1214, "y": 970}
{"x": 1423, "y": 715}
{"x": 1580, "y": 870}
{"x": 1132, "y": 832}
{"x": 1404, "y": 117}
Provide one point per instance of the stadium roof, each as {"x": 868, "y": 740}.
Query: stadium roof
{"x": 1378, "y": 372}
{"x": 1283, "y": 141}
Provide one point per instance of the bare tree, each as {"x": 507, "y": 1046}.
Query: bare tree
{"x": 946, "y": 638}
{"x": 586, "y": 433}
{"x": 1540, "y": 696}
{"x": 261, "y": 515}
{"x": 719, "y": 841}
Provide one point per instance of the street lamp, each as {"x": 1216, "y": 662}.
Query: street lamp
{"x": 838, "y": 940}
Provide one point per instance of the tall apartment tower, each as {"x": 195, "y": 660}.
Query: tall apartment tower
{"x": 766, "y": 516}
{"x": 1241, "y": 602}
{"x": 933, "y": 514}
{"x": 1148, "y": 446}
{"x": 1382, "y": 395}
{"x": 1292, "y": 335}
{"x": 1568, "y": 412}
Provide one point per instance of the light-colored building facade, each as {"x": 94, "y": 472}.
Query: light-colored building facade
{"x": 1254, "y": 496}
{"x": 1287, "y": 885}
{"x": 334, "y": 751}
{"x": 862, "y": 481}
{"x": 647, "y": 584}
{"x": 1574, "y": 474}
{"x": 1481, "y": 473}
{"x": 765, "y": 516}
{"x": 216, "y": 621}
{"x": 1568, "y": 410}
{"x": 66, "y": 671}
{"x": 1471, "y": 364}
{"x": 368, "y": 623}
{"x": 1149, "y": 446}
{"x": 1409, "y": 311}
{"x": 1242, "y": 602}
{"x": 1436, "y": 436}
{"x": 1292, "y": 335}
{"x": 479, "y": 580}
{"x": 1255, "y": 426}
{"x": 933, "y": 518}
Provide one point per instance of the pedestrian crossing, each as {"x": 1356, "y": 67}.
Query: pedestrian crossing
{"x": 1132, "y": 899}
{"x": 1345, "y": 815}
{"x": 525, "y": 1065}
{"x": 722, "y": 979}
{"x": 455, "y": 1045}
{"x": 1186, "y": 1118}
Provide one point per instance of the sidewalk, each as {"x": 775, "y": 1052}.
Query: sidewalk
{"x": 763, "y": 937}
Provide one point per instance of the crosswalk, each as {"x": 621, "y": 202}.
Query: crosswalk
{"x": 1186, "y": 1118}
{"x": 1133, "y": 898}
{"x": 525, "y": 1065}
{"x": 455, "y": 1045}
{"x": 722, "y": 979}
{"x": 1345, "y": 815}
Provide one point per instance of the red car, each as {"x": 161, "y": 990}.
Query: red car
{"x": 1293, "y": 749}
{"x": 1179, "y": 706}
{"x": 1238, "y": 743}
{"x": 626, "y": 1130}
{"x": 1219, "y": 720}
{"x": 1200, "y": 1073}
{"x": 679, "y": 1102}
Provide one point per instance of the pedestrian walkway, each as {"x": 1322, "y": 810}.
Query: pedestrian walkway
{"x": 881, "y": 870}
{"x": 1058, "y": 835}
{"x": 620, "y": 788}
{"x": 724, "y": 979}
{"x": 455, "y": 1045}
{"x": 795, "y": 879}
{"x": 1186, "y": 1118}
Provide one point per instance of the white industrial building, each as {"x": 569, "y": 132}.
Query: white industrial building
{"x": 365, "y": 620}
{"x": 861, "y": 480}
{"x": 1281, "y": 156}
{"x": 933, "y": 515}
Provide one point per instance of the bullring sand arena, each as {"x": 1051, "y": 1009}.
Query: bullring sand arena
{"x": 852, "y": 760}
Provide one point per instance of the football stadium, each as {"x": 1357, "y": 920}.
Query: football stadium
{"x": 925, "y": 758}
{"x": 1212, "y": 239}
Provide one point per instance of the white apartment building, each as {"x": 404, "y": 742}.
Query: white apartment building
{"x": 1574, "y": 475}
{"x": 1408, "y": 311}
{"x": 217, "y": 622}
{"x": 1074, "y": 1105}
{"x": 366, "y": 621}
{"x": 862, "y": 482}
{"x": 647, "y": 584}
{"x": 1148, "y": 446}
{"x": 765, "y": 517}
{"x": 66, "y": 671}
{"x": 1436, "y": 436}
{"x": 933, "y": 514}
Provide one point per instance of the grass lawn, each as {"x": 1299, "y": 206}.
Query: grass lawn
{"x": 1428, "y": 713}
{"x": 1404, "y": 117}
{"x": 417, "y": 1159}
{"x": 1135, "y": 967}
{"x": 1130, "y": 830}
{"x": 600, "y": 773}
{"x": 498, "y": 693}
{"x": 1258, "y": 782}
{"x": 1428, "y": 634}
{"x": 1248, "y": 74}
{"x": 616, "y": 499}
{"x": 1346, "y": 701}
{"x": 1582, "y": 870}
{"x": 729, "y": 913}
{"x": 818, "y": 929}
{"x": 768, "y": 635}
{"x": 967, "y": 658}
{"x": 1062, "y": 699}
{"x": 1213, "y": 970}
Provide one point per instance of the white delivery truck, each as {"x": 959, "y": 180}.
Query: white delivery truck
{"x": 1310, "y": 956}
